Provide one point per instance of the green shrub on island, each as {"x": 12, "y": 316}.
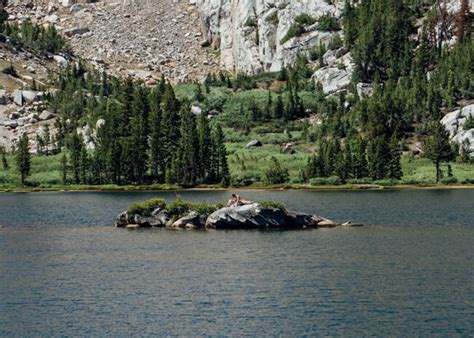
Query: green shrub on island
{"x": 272, "y": 204}
{"x": 147, "y": 207}
{"x": 178, "y": 208}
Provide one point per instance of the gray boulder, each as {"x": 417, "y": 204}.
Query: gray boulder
{"x": 60, "y": 60}
{"x": 46, "y": 115}
{"x": 191, "y": 221}
{"x": 333, "y": 79}
{"x": 30, "y": 96}
{"x": 254, "y": 143}
{"x": 454, "y": 123}
{"x": 122, "y": 220}
{"x": 52, "y": 19}
{"x": 11, "y": 124}
{"x": 18, "y": 97}
{"x": 196, "y": 110}
{"x": 252, "y": 216}
{"x": 15, "y": 115}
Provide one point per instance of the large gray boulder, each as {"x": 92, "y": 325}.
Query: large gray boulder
{"x": 60, "y": 60}
{"x": 46, "y": 115}
{"x": 191, "y": 221}
{"x": 454, "y": 123}
{"x": 18, "y": 97}
{"x": 252, "y": 216}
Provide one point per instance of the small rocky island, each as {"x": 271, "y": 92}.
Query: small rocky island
{"x": 246, "y": 215}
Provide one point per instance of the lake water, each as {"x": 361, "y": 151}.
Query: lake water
{"x": 64, "y": 270}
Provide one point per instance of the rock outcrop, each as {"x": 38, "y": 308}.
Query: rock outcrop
{"x": 455, "y": 122}
{"x": 251, "y": 216}
{"x": 249, "y": 33}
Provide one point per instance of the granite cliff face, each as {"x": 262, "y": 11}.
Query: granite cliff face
{"x": 249, "y": 33}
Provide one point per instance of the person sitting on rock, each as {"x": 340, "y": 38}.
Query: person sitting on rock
{"x": 237, "y": 201}
{"x": 234, "y": 201}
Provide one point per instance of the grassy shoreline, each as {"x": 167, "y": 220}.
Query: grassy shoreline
{"x": 287, "y": 187}
{"x": 419, "y": 174}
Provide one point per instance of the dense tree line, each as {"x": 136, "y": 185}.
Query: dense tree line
{"x": 377, "y": 159}
{"x": 148, "y": 135}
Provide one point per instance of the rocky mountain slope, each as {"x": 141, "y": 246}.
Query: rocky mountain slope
{"x": 249, "y": 33}
{"x": 181, "y": 39}
{"x": 140, "y": 38}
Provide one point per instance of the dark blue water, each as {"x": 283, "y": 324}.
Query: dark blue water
{"x": 65, "y": 271}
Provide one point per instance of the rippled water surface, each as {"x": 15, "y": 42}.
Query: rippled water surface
{"x": 64, "y": 270}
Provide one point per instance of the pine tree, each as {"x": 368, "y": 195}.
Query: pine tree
{"x": 170, "y": 131}
{"x": 254, "y": 110}
{"x": 378, "y": 156}
{"x": 139, "y": 133}
{"x": 75, "y": 146}
{"x": 267, "y": 112}
{"x": 342, "y": 166}
{"x": 349, "y": 23}
{"x": 162, "y": 85}
{"x": 188, "y": 152}
{"x": 84, "y": 166}
{"x": 198, "y": 95}
{"x": 5, "y": 162}
{"x": 126, "y": 160}
{"x": 359, "y": 158}
{"x": 47, "y": 139}
{"x": 114, "y": 164}
{"x": 437, "y": 147}
{"x": 205, "y": 146}
{"x": 465, "y": 152}
{"x": 64, "y": 168}
{"x": 394, "y": 170}
{"x": 139, "y": 154}
{"x": 279, "y": 108}
{"x": 220, "y": 157}
{"x": 23, "y": 158}
{"x": 156, "y": 146}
